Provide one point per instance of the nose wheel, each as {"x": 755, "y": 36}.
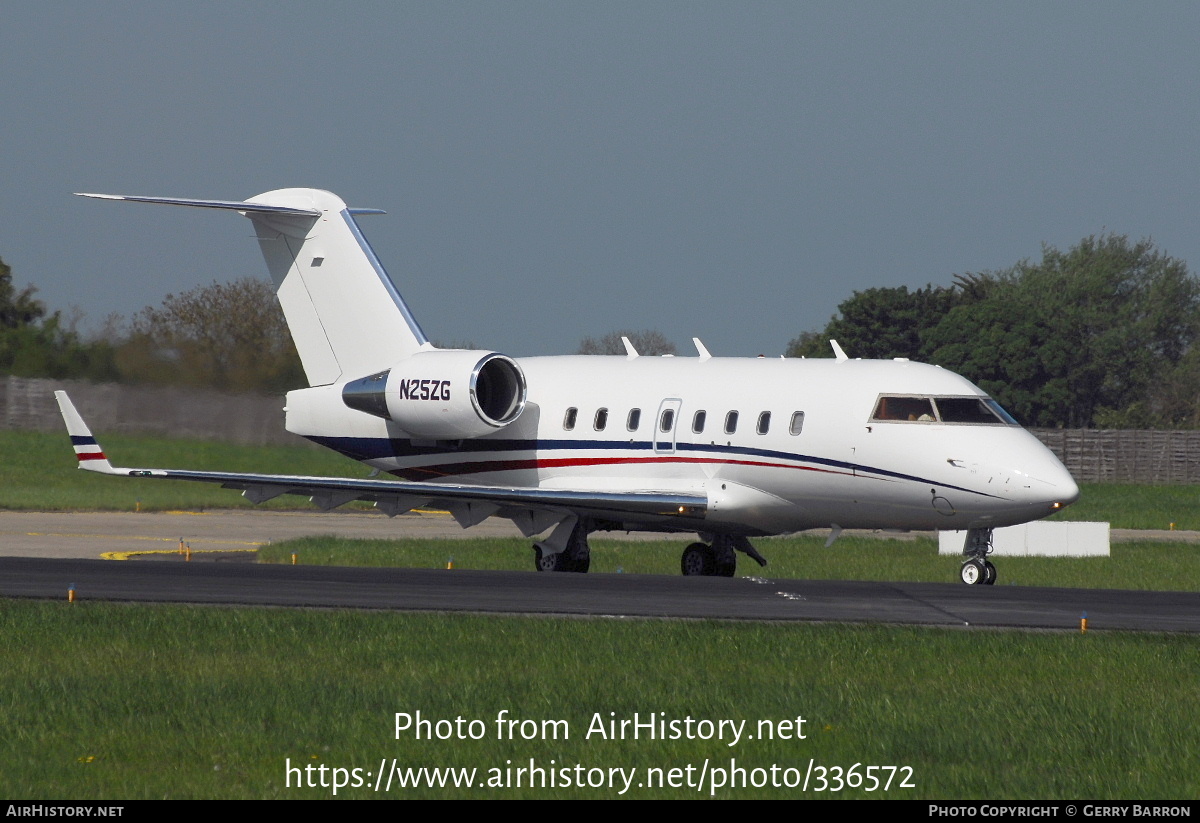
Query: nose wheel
{"x": 977, "y": 572}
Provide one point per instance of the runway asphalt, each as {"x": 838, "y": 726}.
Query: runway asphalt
{"x": 42, "y": 555}
{"x": 611, "y": 595}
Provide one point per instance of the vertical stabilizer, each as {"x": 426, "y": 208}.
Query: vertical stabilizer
{"x": 344, "y": 312}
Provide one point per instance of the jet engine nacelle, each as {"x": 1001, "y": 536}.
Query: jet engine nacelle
{"x": 443, "y": 394}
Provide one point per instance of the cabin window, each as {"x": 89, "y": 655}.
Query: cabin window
{"x": 668, "y": 420}
{"x": 698, "y": 421}
{"x": 569, "y": 418}
{"x": 601, "y": 419}
{"x": 764, "y": 423}
{"x": 634, "y": 420}
{"x": 797, "y": 424}
{"x": 731, "y": 422}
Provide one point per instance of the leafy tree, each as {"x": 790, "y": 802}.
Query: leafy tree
{"x": 1082, "y": 337}
{"x": 36, "y": 344}
{"x": 17, "y": 309}
{"x": 1104, "y": 333}
{"x": 228, "y": 336}
{"x": 880, "y": 323}
{"x": 646, "y": 342}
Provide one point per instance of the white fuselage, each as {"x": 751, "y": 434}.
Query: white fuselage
{"x": 836, "y": 467}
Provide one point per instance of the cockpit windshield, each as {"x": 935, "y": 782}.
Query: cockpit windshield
{"x": 891, "y": 408}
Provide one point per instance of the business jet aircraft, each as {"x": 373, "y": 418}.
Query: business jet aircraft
{"x": 728, "y": 448}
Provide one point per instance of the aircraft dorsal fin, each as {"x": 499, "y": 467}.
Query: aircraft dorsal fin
{"x": 630, "y": 351}
{"x": 837, "y": 350}
{"x": 703, "y": 352}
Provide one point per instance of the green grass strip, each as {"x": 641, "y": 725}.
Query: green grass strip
{"x": 109, "y": 701}
{"x": 38, "y": 471}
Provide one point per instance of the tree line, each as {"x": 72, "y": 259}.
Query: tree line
{"x": 1103, "y": 334}
{"x": 226, "y": 336}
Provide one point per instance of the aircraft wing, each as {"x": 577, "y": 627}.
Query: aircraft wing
{"x": 532, "y": 509}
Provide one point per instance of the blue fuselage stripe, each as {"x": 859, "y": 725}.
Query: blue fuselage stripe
{"x": 372, "y": 448}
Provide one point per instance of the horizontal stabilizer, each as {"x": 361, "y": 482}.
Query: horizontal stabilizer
{"x": 233, "y": 205}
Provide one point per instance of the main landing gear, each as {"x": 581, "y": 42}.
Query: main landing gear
{"x": 718, "y": 559}
{"x": 977, "y": 569}
{"x": 566, "y": 550}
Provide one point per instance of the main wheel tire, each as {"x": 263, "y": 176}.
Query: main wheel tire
{"x": 698, "y": 559}
{"x": 973, "y": 572}
{"x": 544, "y": 562}
{"x": 990, "y": 568}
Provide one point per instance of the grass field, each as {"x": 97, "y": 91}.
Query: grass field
{"x": 120, "y": 701}
{"x": 38, "y": 471}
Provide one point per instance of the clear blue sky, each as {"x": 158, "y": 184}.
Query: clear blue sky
{"x": 553, "y": 170}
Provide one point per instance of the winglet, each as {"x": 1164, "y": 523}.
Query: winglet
{"x": 701, "y": 350}
{"x": 837, "y": 350}
{"x": 630, "y": 351}
{"x": 87, "y": 450}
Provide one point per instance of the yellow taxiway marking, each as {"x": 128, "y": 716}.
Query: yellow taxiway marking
{"x": 127, "y": 555}
{"x": 143, "y": 537}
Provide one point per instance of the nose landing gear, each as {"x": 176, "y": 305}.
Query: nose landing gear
{"x": 977, "y": 569}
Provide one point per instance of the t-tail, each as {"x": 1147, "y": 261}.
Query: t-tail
{"x": 361, "y": 348}
{"x": 344, "y": 312}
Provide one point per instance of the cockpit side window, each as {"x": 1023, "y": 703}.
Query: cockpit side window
{"x": 964, "y": 410}
{"x": 972, "y": 410}
{"x": 918, "y": 409}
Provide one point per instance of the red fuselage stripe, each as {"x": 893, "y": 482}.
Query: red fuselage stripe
{"x": 478, "y": 467}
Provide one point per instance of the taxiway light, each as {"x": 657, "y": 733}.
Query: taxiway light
{"x": 71, "y": 594}
{"x": 1083, "y": 624}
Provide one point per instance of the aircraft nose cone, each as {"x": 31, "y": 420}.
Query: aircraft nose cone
{"x": 1055, "y": 486}
{"x": 1070, "y": 489}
